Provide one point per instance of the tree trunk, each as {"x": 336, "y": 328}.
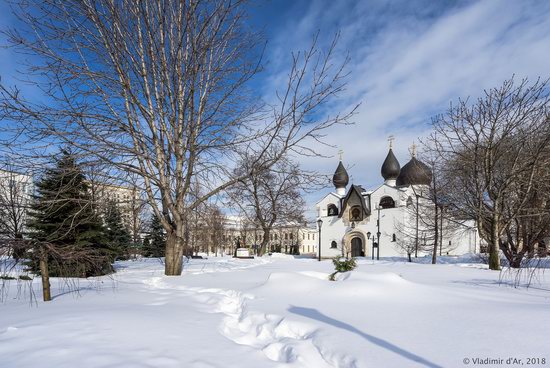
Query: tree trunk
{"x": 409, "y": 255}
{"x": 494, "y": 259}
{"x": 265, "y": 240}
{"x": 173, "y": 265}
{"x": 46, "y": 293}
{"x": 441, "y": 233}
{"x": 436, "y": 235}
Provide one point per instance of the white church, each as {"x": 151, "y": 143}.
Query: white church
{"x": 358, "y": 222}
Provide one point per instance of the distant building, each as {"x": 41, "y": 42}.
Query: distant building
{"x": 127, "y": 198}
{"x": 15, "y": 194}
{"x": 361, "y": 222}
{"x": 288, "y": 237}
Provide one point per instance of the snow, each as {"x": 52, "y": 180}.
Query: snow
{"x": 280, "y": 312}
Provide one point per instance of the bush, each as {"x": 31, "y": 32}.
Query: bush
{"x": 342, "y": 265}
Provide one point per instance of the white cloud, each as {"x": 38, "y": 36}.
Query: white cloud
{"x": 407, "y": 65}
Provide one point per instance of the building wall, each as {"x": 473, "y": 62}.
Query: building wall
{"x": 15, "y": 194}
{"x": 338, "y": 231}
{"x": 128, "y": 200}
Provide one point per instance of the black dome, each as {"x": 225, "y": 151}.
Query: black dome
{"x": 340, "y": 178}
{"x": 390, "y": 167}
{"x": 415, "y": 173}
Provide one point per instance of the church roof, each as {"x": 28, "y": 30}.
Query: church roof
{"x": 340, "y": 178}
{"x": 390, "y": 168}
{"x": 414, "y": 172}
{"x": 358, "y": 191}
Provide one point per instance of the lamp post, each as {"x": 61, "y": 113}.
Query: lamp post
{"x": 319, "y": 224}
{"x": 378, "y": 246}
{"x": 368, "y": 238}
{"x": 378, "y": 235}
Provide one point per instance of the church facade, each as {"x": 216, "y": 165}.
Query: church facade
{"x": 394, "y": 219}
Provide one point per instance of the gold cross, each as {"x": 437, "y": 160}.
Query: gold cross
{"x": 391, "y": 139}
{"x": 413, "y": 150}
{"x": 340, "y": 153}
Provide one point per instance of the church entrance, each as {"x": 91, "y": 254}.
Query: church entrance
{"x": 357, "y": 247}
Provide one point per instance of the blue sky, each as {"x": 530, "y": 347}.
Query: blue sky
{"x": 409, "y": 60}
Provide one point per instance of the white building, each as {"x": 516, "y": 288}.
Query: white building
{"x": 15, "y": 194}
{"x": 285, "y": 237}
{"x": 360, "y": 222}
{"x": 308, "y": 240}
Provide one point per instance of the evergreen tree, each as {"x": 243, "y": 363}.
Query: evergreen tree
{"x": 62, "y": 215}
{"x": 117, "y": 235}
{"x": 156, "y": 239}
{"x": 146, "y": 246}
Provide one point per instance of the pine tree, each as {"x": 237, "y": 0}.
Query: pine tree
{"x": 117, "y": 235}
{"x": 146, "y": 246}
{"x": 62, "y": 215}
{"x": 156, "y": 239}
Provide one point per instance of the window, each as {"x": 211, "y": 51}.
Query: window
{"x": 307, "y": 236}
{"x": 409, "y": 201}
{"x": 355, "y": 213}
{"x": 333, "y": 244}
{"x": 393, "y": 238}
{"x": 332, "y": 210}
{"x": 387, "y": 202}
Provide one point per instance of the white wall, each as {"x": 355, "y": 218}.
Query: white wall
{"x": 334, "y": 228}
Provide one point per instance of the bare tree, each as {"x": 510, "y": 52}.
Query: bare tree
{"x": 494, "y": 153}
{"x": 15, "y": 194}
{"x": 271, "y": 196}
{"x": 215, "y": 223}
{"x": 405, "y": 238}
{"x": 159, "y": 89}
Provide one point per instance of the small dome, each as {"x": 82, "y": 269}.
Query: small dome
{"x": 415, "y": 172}
{"x": 390, "y": 168}
{"x": 340, "y": 178}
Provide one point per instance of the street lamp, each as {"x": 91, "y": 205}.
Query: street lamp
{"x": 378, "y": 235}
{"x": 372, "y": 241}
{"x": 378, "y": 246}
{"x": 319, "y": 224}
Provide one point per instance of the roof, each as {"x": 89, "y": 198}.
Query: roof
{"x": 415, "y": 172}
{"x": 355, "y": 189}
{"x": 390, "y": 168}
{"x": 340, "y": 179}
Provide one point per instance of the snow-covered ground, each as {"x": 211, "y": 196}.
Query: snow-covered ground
{"x": 281, "y": 312}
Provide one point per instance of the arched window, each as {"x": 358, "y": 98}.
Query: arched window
{"x": 387, "y": 202}
{"x": 355, "y": 214}
{"x": 393, "y": 238}
{"x": 333, "y": 244}
{"x": 409, "y": 201}
{"x": 332, "y": 210}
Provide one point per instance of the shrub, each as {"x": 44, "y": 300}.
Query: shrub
{"x": 342, "y": 265}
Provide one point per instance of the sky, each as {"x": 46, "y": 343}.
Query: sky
{"x": 408, "y": 61}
